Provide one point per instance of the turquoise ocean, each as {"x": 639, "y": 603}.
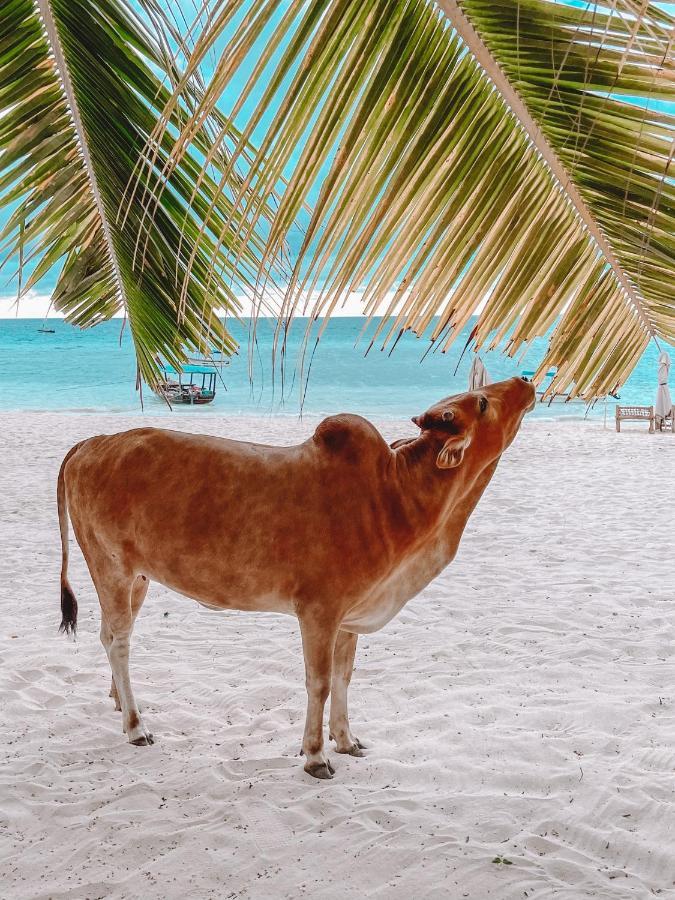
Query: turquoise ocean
{"x": 94, "y": 370}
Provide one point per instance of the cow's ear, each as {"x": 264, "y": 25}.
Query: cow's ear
{"x": 434, "y": 419}
{"x": 452, "y": 452}
{"x": 401, "y": 442}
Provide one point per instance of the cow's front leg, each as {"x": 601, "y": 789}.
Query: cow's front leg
{"x": 318, "y": 643}
{"x": 343, "y": 666}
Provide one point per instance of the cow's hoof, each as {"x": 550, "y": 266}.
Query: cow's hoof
{"x": 355, "y": 749}
{"x": 320, "y": 770}
{"x": 137, "y": 733}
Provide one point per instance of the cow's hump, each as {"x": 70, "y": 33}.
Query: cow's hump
{"x": 350, "y": 437}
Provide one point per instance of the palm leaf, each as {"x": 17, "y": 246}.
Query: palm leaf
{"x": 529, "y": 178}
{"x": 82, "y": 85}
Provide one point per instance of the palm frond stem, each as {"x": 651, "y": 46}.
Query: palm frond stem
{"x": 64, "y": 75}
{"x": 464, "y": 28}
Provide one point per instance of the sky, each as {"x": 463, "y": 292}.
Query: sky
{"x": 36, "y": 305}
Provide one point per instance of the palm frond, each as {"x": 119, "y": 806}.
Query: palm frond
{"x": 528, "y": 178}
{"x": 82, "y": 85}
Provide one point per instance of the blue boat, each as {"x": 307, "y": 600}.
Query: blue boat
{"x": 195, "y": 385}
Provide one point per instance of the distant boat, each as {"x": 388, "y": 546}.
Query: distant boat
{"x": 551, "y": 398}
{"x": 215, "y": 360}
{"x": 195, "y": 385}
{"x": 44, "y": 330}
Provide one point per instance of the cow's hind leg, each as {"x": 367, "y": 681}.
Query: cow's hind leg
{"x": 343, "y": 665}
{"x": 138, "y": 593}
{"x": 318, "y": 643}
{"x": 106, "y": 640}
{"x": 115, "y": 595}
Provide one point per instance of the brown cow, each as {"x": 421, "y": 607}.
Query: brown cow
{"x": 340, "y": 531}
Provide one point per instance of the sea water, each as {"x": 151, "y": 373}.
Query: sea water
{"x": 95, "y": 370}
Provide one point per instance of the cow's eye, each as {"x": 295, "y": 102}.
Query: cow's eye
{"x": 483, "y": 404}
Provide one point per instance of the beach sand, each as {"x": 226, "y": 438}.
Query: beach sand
{"x": 522, "y": 708}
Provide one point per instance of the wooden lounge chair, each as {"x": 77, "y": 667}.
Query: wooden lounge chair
{"x": 635, "y": 414}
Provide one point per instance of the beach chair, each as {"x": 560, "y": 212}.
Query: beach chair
{"x": 635, "y": 414}
{"x": 668, "y": 423}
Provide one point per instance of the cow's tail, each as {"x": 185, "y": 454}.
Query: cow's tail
{"x": 68, "y": 601}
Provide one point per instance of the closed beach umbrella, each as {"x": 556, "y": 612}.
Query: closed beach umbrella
{"x": 663, "y": 401}
{"x": 478, "y": 376}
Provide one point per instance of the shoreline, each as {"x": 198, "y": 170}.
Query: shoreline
{"x": 290, "y": 417}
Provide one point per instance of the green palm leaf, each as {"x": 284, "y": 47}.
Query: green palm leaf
{"x": 82, "y": 86}
{"x": 529, "y": 178}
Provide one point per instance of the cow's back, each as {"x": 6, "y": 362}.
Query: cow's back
{"x": 235, "y": 524}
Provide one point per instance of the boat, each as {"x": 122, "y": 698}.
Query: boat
{"x": 195, "y": 385}
{"x": 215, "y": 360}
{"x": 44, "y": 330}
{"x": 563, "y": 397}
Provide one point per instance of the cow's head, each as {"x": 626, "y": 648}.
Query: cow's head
{"x": 479, "y": 425}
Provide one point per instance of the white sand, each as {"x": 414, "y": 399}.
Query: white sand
{"x": 522, "y": 707}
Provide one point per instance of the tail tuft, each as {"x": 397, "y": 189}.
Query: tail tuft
{"x": 68, "y": 610}
{"x": 68, "y": 601}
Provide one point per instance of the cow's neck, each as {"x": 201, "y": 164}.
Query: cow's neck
{"x": 439, "y": 502}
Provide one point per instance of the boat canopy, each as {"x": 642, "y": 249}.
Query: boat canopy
{"x": 188, "y": 370}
